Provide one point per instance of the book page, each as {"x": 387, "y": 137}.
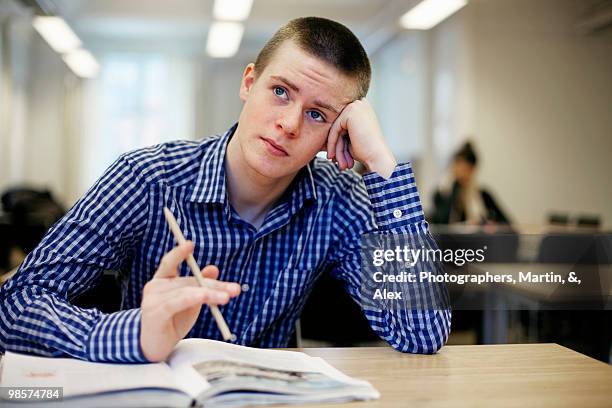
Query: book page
{"x": 82, "y": 377}
{"x": 213, "y": 368}
{"x": 192, "y": 352}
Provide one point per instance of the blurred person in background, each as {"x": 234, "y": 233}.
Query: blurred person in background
{"x": 460, "y": 199}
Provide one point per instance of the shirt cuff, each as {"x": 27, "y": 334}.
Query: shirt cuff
{"x": 116, "y": 338}
{"x": 395, "y": 200}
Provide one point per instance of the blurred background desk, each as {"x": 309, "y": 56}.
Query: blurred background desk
{"x": 535, "y": 308}
{"x": 522, "y": 375}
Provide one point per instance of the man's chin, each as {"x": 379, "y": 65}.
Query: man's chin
{"x": 271, "y": 167}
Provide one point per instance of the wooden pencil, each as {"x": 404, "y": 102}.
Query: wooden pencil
{"x": 195, "y": 270}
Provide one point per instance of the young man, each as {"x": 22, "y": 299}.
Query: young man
{"x": 259, "y": 208}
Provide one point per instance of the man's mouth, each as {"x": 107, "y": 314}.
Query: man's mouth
{"x": 274, "y": 148}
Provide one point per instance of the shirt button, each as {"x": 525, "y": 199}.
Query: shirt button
{"x": 245, "y": 287}
{"x": 397, "y": 213}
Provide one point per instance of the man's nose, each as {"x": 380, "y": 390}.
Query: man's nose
{"x": 290, "y": 121}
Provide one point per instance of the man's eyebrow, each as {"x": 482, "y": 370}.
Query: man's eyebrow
{"x": 287, "y": 82}
{"x": 326, "y": 106}
{"x": 297, "y": 89}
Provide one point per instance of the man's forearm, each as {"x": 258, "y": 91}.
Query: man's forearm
{"x": 36, "y": 320}
{"x": 415, "y": 325}
{"x": 412, "y": 331}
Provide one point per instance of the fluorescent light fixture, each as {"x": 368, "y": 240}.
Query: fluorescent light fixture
{"x": 224, "y": 39}
{"x": 57, "y": 33}
{"x": 82, "y": 63}
{"x": 429, "y": 13}
{"x": 232, "y": 10}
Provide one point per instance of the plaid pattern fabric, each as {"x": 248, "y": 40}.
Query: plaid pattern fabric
{"x": 119, "y": 225}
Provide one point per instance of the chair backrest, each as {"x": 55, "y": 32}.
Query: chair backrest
{"x": 558, "y": 218}
{"x": 576, "y": 249}
{"x": 592, "y": 221}
{"x": 26, "y": 206}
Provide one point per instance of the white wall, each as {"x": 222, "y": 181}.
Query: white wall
{"x": 15, "y": 44}
{"x": 538, "y": 104}
{"x": 220, "y": 103}
{"x": 398, "y": 93}
{"x": 138, "y": 99}
{"x": 50, "y": 159}
{"x": 36, "y": 141}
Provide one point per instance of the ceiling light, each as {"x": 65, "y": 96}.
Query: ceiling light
{"x": 57, "y": 33}
{"x": 232, "y": 10}
{"x": 224, "y": 39}
{"x": 429, "y": 13}
{"x": 82, "y": 63}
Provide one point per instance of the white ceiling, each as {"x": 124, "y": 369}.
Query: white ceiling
{"x": 184, "y": 23}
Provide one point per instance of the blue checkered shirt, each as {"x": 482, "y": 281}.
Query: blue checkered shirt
{"x": 119, "y": 225}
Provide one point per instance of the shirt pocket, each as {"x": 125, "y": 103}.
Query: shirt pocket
{"x": 297, "y": 276}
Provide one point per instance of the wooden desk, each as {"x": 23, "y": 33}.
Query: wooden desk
{"x": 521, "y": 375}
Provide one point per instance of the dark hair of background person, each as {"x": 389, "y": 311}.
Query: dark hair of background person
{"x": 328, "y": 40}
{"x": 467, "y": 153}
{"x": 28, "y": 213}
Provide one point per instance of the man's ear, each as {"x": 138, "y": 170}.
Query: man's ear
{"x": 248, "y": 79}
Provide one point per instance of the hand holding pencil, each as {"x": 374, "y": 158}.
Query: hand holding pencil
{"x": 171, "y": 303}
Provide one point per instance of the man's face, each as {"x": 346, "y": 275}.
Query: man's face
{"x": 288, "y": 110}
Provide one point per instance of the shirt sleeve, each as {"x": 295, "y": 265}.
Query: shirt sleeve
{"x": 387, "y": 207}
{"x": 97, "y": 234}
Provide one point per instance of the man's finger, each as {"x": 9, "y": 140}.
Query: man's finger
{"x": 166, "y": 285}
{"x": 177, "y": 304}
{"x": 340, "y": 153}
{"x": 211, "y": 274}
{"x": 347, "y": 154}
{"x": 332, "y": 138}
{"x": 168, "y": 266}
{"x": 344, "y": 153}
{"x": 209, "y": 295}
{"x": 334, "y": 133}
{"x": 185, "y": 298}
{"x": 210, "y": 271}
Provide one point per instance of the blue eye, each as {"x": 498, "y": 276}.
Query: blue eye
{"x": 279, "y": 91}
{"x": 316, "y": 116}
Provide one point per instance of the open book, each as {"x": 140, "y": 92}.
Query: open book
{"x": 197, "y": 373}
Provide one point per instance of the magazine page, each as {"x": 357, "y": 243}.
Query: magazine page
{"x": 221, "y": 367}
{"x": 191, "y": 351}
{"x": 241, "y": 399}
{"x": 79, "y": 377}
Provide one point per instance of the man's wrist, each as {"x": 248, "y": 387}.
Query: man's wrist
{"x": 384, "y": 165}
{"x": 395, "y": 201}
{"x": 116, "y": 338}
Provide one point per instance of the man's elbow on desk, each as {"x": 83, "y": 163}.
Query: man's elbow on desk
{"x": 419, "y": 332}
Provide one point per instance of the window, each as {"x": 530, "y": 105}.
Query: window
{"x": 138, "y": 100}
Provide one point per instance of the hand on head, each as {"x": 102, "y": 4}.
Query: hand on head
{"x": 356, "y": 135}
